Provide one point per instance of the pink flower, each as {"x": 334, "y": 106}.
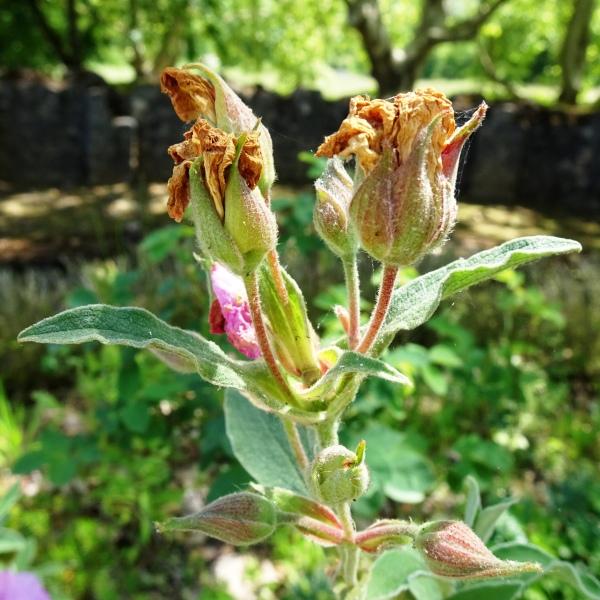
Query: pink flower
{"x": 21, "y": 586}
{"x": 230, "y": 312}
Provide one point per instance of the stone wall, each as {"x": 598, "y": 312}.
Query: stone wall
{"x": 76, "y": 136}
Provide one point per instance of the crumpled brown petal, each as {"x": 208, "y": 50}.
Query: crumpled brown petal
{"x": 179, "y": 191}
{"x": 218, "y": 152}
{"x": 217, "y": 149}
{"x": 191, "y": 95}
{"x": 372, "y": 124}
{"x": 189, "y": 149}
{"x": 416, "y": 110}
{"x": 251, "y": 162}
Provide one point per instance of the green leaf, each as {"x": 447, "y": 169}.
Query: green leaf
{"x": 425, "y": 586}
{"x": 488, "y": 517}
{"x": 443, "y": 355}
{"x": 188, "y": 351}
{"x": 11, "y": 541}
{"x": 260, "y": 444}
{"x": 490, "y": 590}
{"x": 397, "y": 467}
{"x": 473, "y": 503}
{"x": 414, "y": 303}
{"x": 581, "y": 580}
{"x": 10, "y": 498}
{"x": 28, "y": 462}
{"x": 391, "y": 574}
{"x": 135, "y": 416}
{"x": 352, "y": 362}
{"x": 139, "y": 328}
{"x": 435, "y": 379}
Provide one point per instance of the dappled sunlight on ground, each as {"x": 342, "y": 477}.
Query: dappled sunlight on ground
{"x": 48, "y": 225}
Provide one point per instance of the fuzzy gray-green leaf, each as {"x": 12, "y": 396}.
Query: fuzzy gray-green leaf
{"x": 414, "y": 303}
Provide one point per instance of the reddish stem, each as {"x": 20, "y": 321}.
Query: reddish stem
{"x": 381, "y": 308}
{"x": 262, "y": 338}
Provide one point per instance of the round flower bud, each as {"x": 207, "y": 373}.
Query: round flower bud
{"x": 339, "y": 475}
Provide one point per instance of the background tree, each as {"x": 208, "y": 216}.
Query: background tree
{"x": 397, "y": 68}
{"x": 574, "y": 48}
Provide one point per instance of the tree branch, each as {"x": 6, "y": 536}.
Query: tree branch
{"x": 51, "y": 35}
{"x": 487, "y": 62}
{"x": 467, "y": 28}
{"x": 365, "y": 17}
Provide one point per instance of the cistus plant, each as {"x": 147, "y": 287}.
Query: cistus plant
{"x": 388, "y": 189}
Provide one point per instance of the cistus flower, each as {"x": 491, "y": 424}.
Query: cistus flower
{"x": 230, "y": 312}
{"x": 209, "y": 97}
{"x": 406, "y": 151}
{"x": 21, "y": 586}
{"x": 452, "y": 549}
{"x": 240, "y": 519}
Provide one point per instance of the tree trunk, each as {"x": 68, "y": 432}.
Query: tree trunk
{"x": 397, "y": 69}
{"x": 575, "y": 44}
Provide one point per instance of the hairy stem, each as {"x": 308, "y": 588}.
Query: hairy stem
{"x": 275, "y": 267}
{"x": 353, "y": 287}
{"x": 350, "y": 554}
{"x": 253, "y": 292}
{"x": 296, "y": 443}
{"x": 328, "y": 433}
{"x": 381, "y": 308}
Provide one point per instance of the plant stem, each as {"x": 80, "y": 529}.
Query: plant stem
{"x": 296, "y": 443}
{"x": 350, "y": 554}
{"x": 275, "y": 267}
{"x": 253, "y": 292}
{"x": 381, "y": 308}
{"x": 328, "y": 433}
{"x": 353, "y": 287}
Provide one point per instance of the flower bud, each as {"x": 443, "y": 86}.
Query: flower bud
{"x": 452, "y": 549}
{"x": 339, "y": 475}
{"x": 408, "y": 149}
{"x": 248, "y": 219}
{"x": 240, "y": 519}
{"x": 331, "y": 215}
{"x": 294, "y": 340}
{"x": 385, "y": 534}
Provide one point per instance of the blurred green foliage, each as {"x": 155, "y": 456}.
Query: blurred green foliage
{"x": 281, "y": 44}
{"x": 111, "y": 441}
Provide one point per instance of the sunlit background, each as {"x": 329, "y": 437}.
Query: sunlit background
{"x": 104, "y": 441}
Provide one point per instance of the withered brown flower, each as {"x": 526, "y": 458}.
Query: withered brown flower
{"x": 372, "y": 125}
{"x": 192, "y": 96}
{"x": 218, "y": 151}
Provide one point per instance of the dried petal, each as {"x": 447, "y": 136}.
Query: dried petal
{"x": 179, "y": 191}
{"x": 191, "y": 96}
{"x": 373, "y": 124}
{"x": 251, "y": 163}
